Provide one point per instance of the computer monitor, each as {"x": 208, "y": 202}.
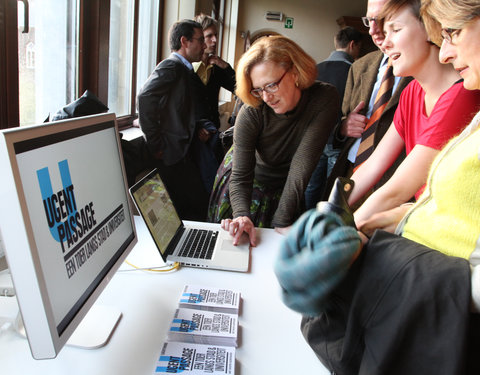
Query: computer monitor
{"x": 65, "y": 222}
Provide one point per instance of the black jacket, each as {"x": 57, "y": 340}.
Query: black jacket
{"x": 206, "y": 105}
{"x": 403, "y": 309}
{"x": 166, "y": 110}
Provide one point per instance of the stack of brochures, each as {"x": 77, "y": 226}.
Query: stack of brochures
{"x": 211, "y": 299}
{"x": 203, "y": 334}
{"x": 177, "y": 357}
{"x": 204, "y": 327}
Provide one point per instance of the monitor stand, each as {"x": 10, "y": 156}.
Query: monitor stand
{"x": 95, "y": 329}
{"x": 93, "y": 332}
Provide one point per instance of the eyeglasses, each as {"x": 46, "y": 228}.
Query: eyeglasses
{"x": 201, "y": 39}
{"x": 368, "y": 20}
{"x": 449, "y": 35}
{"x": 270, "y": 88}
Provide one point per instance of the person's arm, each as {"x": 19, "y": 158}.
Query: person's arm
{"x": 246, "y": 132}
{"x": 245, "y": 135}
{"x": 354, "y": 106}
{"x": 354, "y": 123}
{"x": 385, "y": 220}
{"x": 217, "y": 60}
{"x": 236, "y": 227}
{"x": 370, "y": 172}
{"x": 204, "y": 129}
{"x": 409, "y": 177}
{"x": 283, "y": 230}
{"x": 226, "y": 75}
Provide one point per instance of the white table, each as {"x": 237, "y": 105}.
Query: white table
{"x": 270, "y": 339}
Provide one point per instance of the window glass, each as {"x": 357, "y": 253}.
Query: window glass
{"x": 147, "y": 40}
{"x": 47, "y": 58}
{"x": 120, "y": 56}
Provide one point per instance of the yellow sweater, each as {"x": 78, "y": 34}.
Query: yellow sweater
{"x": 447, "y": 215}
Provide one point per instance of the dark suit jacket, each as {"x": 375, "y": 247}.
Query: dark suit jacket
{"x": 334, "y": 72}
{"x": 166, "y": 110}
{"x": 361, "y": 79}
{"x": 207, "y": 95}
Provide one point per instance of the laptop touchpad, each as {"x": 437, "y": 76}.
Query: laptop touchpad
{"x": 227, "y": 243}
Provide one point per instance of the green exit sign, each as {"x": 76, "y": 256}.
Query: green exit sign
{"x": 289, "y": 23}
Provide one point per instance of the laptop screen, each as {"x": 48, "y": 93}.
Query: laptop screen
{"x": 157, "y": 209}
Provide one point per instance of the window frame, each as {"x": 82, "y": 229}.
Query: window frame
{"x": 94, "y": 29}
{"x": 9, "y": 87}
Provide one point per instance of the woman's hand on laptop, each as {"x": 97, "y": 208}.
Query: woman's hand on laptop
{"x": 236, "y": 227}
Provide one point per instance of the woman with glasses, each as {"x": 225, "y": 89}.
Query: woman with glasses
{"x": 278, "y": 139}
{"x": 432, "y": 109}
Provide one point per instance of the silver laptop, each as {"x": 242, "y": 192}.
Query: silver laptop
{"x": 194, "y": 244}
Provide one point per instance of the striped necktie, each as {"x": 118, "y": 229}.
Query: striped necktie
{"x": 383, "y": 96}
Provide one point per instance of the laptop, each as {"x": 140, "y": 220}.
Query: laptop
{"x": 192, "y": 244}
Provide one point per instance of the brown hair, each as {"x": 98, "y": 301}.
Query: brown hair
{"x": 206, "y": 21}
{"x": 278, "y": 50}
{"x": 393, "y": 6}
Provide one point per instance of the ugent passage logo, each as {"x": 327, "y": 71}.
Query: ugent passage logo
{"x": 75, "y": 228}
{"x": 66, "y": 222}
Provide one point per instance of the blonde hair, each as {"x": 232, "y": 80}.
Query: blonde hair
{"x": 453, "y": 13}
{"x": 278, "y": 50}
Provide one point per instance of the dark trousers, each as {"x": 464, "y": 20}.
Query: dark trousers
{"x": 316, "y": 187}
{"x": 186, "y": 189}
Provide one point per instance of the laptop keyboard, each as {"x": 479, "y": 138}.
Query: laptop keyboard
{"x": 199, "y": 244}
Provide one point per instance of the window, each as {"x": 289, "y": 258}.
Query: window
{"x": 30, "y": 58}
{"x": 120, "y": 56}
{"x": 46, "y": 58}
{"x": 127, "y": 20}
{"x": 52, "y": 51}
{"x": 148, "y": 46}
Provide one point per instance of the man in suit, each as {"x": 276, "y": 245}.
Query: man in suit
{"x": 167, "y": 118}
{"x": 360, "y": 91}
{"x": 333, "y": 70}
{"x": 213, "y": 73}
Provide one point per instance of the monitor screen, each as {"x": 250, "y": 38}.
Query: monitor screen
{"x": 65, "y": 221}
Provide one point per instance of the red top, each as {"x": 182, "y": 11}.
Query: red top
{"x": 452, "y": 113}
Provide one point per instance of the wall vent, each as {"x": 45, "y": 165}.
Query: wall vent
{"x": 273, "y": 16}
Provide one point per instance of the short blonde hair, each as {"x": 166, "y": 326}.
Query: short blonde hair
{"x": 454, "y": 13}
{"x": 278, "y": 50}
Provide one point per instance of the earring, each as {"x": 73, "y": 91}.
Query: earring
{"x": 296, "y": 83}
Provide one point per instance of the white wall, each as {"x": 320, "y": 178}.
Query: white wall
{"x": 175, "y": 10}
{"x": 314, "y": 21}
